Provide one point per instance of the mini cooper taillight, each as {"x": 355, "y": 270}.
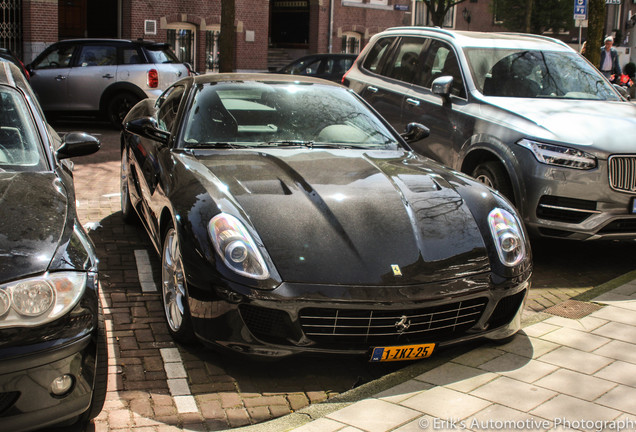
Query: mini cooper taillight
{"x": 153, "y": 78}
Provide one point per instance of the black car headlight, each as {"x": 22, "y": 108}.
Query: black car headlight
{"x": 551, "y": 154}
{"x": 236, "y": 247}
{"x": 39, "y": 300}
{"x": 508, "y": 237}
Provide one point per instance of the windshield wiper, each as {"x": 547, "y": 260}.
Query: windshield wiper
{"x": 313, "y": 144}
{"x": 212, "y": 145}
{"x": 291, "y": 143}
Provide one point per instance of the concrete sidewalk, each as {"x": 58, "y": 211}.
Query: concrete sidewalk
{"x": 557, "y": 374}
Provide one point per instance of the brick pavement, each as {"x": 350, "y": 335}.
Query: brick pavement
{"x": 224, "y": 393}
{"x": 559, "y": 374}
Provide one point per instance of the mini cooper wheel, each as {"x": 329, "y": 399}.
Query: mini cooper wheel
{"x": 493, "y": 175}
{"x": 127, "y": 210}
{"x": 118, "y": 107}
{"x": 174, "y": 293}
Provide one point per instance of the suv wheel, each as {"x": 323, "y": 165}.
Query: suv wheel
{"x": 118, "y": 107}
{"x": 492, "y": 174}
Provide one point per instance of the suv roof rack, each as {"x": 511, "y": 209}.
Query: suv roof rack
{"x": 536, "y": 36}
{"x": 435, "y": 29}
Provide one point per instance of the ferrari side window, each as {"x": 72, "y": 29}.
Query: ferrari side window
{"x": 169, "y": 107}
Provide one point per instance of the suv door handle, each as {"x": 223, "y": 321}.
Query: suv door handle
{"x": 109, "y": 76}
{"x": 412, "y": 101}
{"x": 372, "y": 89}
{"x": 60, "y": 78}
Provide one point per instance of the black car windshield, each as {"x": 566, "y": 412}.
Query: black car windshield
{"x": 20, "y": 147}
{"x": 536, "y": 74}
{"x": 282, "y": 114}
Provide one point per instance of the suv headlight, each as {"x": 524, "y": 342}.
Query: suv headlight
{"x": 39, "y": 300}
{"x": 559, "y": 155}
{"x": 508, "y": 236}
{"x": 235, "y": 245}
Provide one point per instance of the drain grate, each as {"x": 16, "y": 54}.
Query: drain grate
{"x": 573, "y": 309}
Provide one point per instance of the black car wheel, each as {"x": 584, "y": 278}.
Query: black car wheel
{"x": 492, "y": 174}
{"x": 175, "y": 297}
{"x": 127, "y": 210}
{"x": 118, "y": 107}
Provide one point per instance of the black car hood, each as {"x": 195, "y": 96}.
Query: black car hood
{"x": 347, "y": 217}
{"x": 33, "y": 211}
{"x": 599, "y": 127}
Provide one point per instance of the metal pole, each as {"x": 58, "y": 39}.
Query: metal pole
{"x": 331, "y": 3}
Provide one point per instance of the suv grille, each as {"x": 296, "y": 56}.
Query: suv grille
{"x": 378, "y": 327}
{"x": 622, "y": 173}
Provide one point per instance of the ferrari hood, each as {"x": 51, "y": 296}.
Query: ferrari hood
{"x": 346, "y": 217}
{"x": 33, "y": 209}
{"x": 598, "y": 127}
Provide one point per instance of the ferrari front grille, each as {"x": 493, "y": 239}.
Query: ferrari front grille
{"x": 379, "y": 327}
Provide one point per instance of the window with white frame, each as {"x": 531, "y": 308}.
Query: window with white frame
{"x": 351, "y": 42}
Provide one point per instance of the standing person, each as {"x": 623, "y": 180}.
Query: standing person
{"x": 609, "y": 60}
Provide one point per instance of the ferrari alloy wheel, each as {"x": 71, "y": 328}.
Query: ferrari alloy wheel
{"x": 175, "y": 300}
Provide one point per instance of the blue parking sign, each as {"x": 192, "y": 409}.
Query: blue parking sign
{"x": 580, "y": 9}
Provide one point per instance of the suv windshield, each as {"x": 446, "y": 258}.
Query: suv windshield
{"x": 161, "y": 54}
{"x": 282, "y": 114}
{"x": 536, "y": 74}
{"x": 20, "y": 148}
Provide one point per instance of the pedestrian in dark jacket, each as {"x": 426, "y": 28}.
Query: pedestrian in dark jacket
{"x": 609, "y": 60}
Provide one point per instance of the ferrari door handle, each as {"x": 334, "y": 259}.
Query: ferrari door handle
{"x": 108, "y": 76}
{"x": 412, "y": 101}
{"x": 372, "y": 89}
{"x": 60, "y": 78}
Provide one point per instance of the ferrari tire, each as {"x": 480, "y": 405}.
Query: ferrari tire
{"x": 174, "y": 290}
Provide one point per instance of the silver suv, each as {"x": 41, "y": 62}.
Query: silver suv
{"x": 108, "y": 76}
{"x": 525, "y": 114}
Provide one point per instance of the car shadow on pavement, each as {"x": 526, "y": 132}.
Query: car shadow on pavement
{"x": 226, "y": 390}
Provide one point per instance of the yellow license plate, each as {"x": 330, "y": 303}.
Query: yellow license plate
{"x": 403, "y": 352}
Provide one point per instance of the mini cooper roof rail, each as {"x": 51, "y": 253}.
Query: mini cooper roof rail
{"x": 435, "y": 29}
{"x": 535, "y": 36}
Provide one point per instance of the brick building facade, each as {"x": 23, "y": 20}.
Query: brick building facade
{"x": 192, "y": 27}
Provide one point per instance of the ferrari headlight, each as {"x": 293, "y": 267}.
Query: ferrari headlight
{"x": 551, "y": 154}
{"x": 508, "y": 236}
{"x": 236, "y": 247}
{"x": 39, "y": 300}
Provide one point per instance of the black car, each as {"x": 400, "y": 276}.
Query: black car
{"x": 53, "y": 363}
{"x": 525, "y": 114}
{"x": 327, "y": 66}
{"x": 290, "y": 218}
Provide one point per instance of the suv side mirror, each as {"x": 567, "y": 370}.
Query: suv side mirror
{"x": 77, "y": 144}
{"x": 415, "y": 132}
{"x": 147, "y": 127}
{"x": 442, "y": 85}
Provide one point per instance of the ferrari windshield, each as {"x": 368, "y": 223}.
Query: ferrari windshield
{"x": 282, "y": 114}
{"x": 536, "y": 74}
{"x": 20, "y": 147}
